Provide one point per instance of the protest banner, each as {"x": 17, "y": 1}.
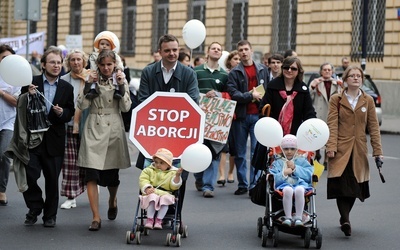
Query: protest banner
{"x": 219, "y": 116}
{"x": 18, "y": 43}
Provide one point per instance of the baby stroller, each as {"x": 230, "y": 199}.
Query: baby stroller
{"x": 172, "y": 220}
{"x": 269, "y": 226}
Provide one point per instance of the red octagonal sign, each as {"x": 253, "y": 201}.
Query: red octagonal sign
{"x": 166, "y": 120}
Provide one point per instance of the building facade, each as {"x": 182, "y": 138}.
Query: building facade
{"x": 318, "y": 30}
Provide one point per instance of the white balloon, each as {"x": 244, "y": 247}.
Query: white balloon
{"x": 196, "y": 158}
{"x": 194, "y": 33}
{"x": 312, "y": 134}
{"x": 268, "y": 132}
{"x": 114, "y": 37}
{"x": 16, "y": 71}
{"x": 222, "y": 59}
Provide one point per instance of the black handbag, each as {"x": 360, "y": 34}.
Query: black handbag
{"x": 258, "y": 194}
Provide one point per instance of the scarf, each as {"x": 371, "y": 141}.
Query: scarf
{"x": 77, "y": 116}
{"x": 286, "y": 114}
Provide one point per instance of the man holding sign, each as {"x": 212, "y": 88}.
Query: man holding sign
{"x": 167, "y": 75}
{"x": 212, "y": 81}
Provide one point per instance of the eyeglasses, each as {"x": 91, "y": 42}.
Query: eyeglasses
{"x": 354, "y": 76}
{"x": 55, "y": 63}
{"x": 291, "y": 68}
{"x": 293, "y": 149}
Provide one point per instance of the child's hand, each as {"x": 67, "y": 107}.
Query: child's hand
{"x": 93, "y": 76}
{"x": 287, "y": 171}
{"x": 290, "y": 164}
{"x": 120, "y": 76}
{"x": 179, "y": 172}
{"x": 149, "y": 190}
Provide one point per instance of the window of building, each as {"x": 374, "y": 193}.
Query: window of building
{"x": 32, "y": 27}
{"x": 100, "y": 17}
{"x": 375, "y": 30}
{"x": 52, "y": 20}
{"x": 197, "y": 10}
{"x": 237, "y": 18}
{"x": 129, "y": 27}
{"x": 75, "y": 17}
{"x": 160, "y": 21}
{"x": 284, "y": 26}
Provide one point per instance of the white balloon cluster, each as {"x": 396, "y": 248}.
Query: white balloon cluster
{"x": 311, "y": 135}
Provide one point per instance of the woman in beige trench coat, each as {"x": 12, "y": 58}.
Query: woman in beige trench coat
{"x": 350, "y": 114}
{"x": 104, "y": 148}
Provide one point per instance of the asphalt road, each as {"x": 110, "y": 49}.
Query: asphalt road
{"x": 223, "y": 222}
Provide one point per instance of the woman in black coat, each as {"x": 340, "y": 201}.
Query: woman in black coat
{"x": 290, "y": 102}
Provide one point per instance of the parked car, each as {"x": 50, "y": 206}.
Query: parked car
{"x": 368, "y": 86}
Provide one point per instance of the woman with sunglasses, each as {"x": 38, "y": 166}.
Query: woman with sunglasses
{"x": 289, "y": 97}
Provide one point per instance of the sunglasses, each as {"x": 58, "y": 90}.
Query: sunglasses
{"x": 291, "y": 68}
{"x": 293, "y": 149}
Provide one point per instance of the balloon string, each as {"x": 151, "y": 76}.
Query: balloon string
{"x": 45, "y": 98}
{"x": 191, "y": 53}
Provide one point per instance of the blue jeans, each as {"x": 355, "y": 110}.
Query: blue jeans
{"x": 242, "y": 129}
{"x": 5, "y": 163}
{"x": 210, "y": 175}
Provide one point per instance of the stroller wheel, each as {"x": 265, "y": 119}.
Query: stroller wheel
{"x": 138, "y": 238}
{"x": 185, "y": 231}
{"x": 275, "y": 236}
{"x": 307, "y": 238}
{"x": 264, "y": 236}
{"x": 129, "y": 237}
{"x": 259, "y": 227}
{"x": 318, "y": 239}
{"x": 146, "y": 231}
{"x": 168, "y": 240}
{"x": 178, "y": 240}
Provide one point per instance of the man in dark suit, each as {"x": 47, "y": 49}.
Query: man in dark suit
{"x": 48, "y": 156}
{"x": 168, "y": 74}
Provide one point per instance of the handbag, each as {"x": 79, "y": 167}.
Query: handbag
{"x": 258, "y": 194}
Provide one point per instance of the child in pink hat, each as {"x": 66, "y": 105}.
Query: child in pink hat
{"x": 156, "y": 183}
{"x": 293, "y": 176}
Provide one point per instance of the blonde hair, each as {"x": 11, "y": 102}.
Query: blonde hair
{"x": 75, "y": 51}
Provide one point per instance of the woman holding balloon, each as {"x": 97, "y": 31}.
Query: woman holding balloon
{"x": 8, "y": 102}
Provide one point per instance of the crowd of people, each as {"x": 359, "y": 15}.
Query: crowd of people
{"x": 86, "y": 140}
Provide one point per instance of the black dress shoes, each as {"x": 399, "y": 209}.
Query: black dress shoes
{"x": 30, "y": 219}
{"x": 49, "y": 223}
{"x": 241, "y": 191}
{"x": 346, "y": 228}
{"x": 112, "y": 213}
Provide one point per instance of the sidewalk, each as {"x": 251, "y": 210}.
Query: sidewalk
{"x": 390, "y": 125}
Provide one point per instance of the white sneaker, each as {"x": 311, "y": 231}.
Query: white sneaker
{"x": 287, "y": 222}
{"x": 68, "y": 204}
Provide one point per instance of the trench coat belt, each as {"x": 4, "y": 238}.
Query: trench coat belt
{"x": 102, "y": 111}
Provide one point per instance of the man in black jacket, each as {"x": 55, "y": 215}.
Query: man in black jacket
{"x": 48, "y": 156}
